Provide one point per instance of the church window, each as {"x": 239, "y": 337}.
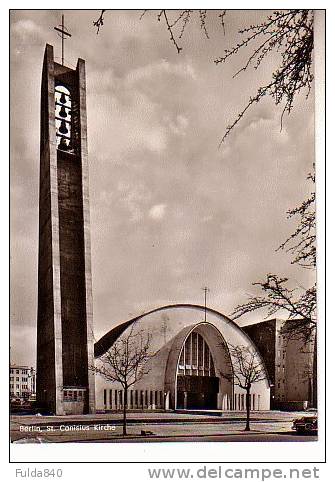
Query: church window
{"x": 201, "y": 351}
{"x": 194, "y": 349}
{"x": 197, "y": 356}
{"x": 188, "y": 351}
{"x": 206, "y": 360}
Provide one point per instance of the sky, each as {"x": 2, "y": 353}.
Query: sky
{"x": 171, "y": 211}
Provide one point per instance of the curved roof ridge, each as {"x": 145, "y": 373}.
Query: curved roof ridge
{"x": 106, "y": 341}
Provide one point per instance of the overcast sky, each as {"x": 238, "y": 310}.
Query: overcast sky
{"x": 170, "y": 211}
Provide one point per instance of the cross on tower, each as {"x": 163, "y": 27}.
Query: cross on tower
{"x": 63, "y": 33}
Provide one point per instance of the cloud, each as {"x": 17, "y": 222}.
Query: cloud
{"x": 166, "y": 204}
{"x": 160, "y": 68}
{"x": 134, "y": 196}
{"x": 27, "y": 31}
{"x": 157, "y": 211}
{"x": 153, "y": 139}
{"x": 178, "y": 125}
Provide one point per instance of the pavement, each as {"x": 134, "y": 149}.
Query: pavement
{"x": 153, "y": 427}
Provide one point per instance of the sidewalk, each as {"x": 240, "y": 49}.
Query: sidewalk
{"x": 154, "y": 417}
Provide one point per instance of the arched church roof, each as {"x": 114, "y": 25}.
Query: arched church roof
{"x": 220, "y": 320}
{"x": 168, "y": 328}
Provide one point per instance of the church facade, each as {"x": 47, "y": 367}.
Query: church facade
{"x": 190, "y": 367}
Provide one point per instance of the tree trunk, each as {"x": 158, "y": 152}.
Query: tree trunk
{"x": 125, "y": 403}
{"x": 247, "y": 425}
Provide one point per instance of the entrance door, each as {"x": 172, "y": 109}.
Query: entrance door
{"x": 194, "y": 392}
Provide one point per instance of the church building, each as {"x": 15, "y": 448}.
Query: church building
{"x": 190, "y": 367}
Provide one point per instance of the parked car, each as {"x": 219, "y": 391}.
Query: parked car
{"x": 306, "y": 425}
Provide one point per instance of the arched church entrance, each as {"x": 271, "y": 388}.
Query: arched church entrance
{"x": 197, "y": 386}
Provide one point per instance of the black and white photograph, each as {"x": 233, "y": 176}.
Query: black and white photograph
{"x": 163, "y": 246}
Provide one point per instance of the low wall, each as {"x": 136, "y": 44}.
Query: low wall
{"x": 292, "y": 406}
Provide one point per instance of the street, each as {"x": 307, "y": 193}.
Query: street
{"x": 154, "y": 427}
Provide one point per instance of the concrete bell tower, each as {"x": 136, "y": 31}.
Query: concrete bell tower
{"x": 65, "y": 383}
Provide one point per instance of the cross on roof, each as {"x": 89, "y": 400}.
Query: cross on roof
{"x": 206, "y": 290}
{"x": 63, "y": 33}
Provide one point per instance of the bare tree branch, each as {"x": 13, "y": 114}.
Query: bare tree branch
{"x": 99, "y": 23}
{"x": 247, "y": 369}
{"x": 299, "y": 304}
{"x": 277, "y": 297}
{"x": 183, "y": 18}
{"x": 126, "y": 362}
{"x": 170, "y": 27}
{"x": 302, "y": 242}
{"x": 289, "y": 32}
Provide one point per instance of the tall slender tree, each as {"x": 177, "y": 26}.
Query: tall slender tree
{"x": 126, "y": 362}
{"x": 247, "y": 369}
